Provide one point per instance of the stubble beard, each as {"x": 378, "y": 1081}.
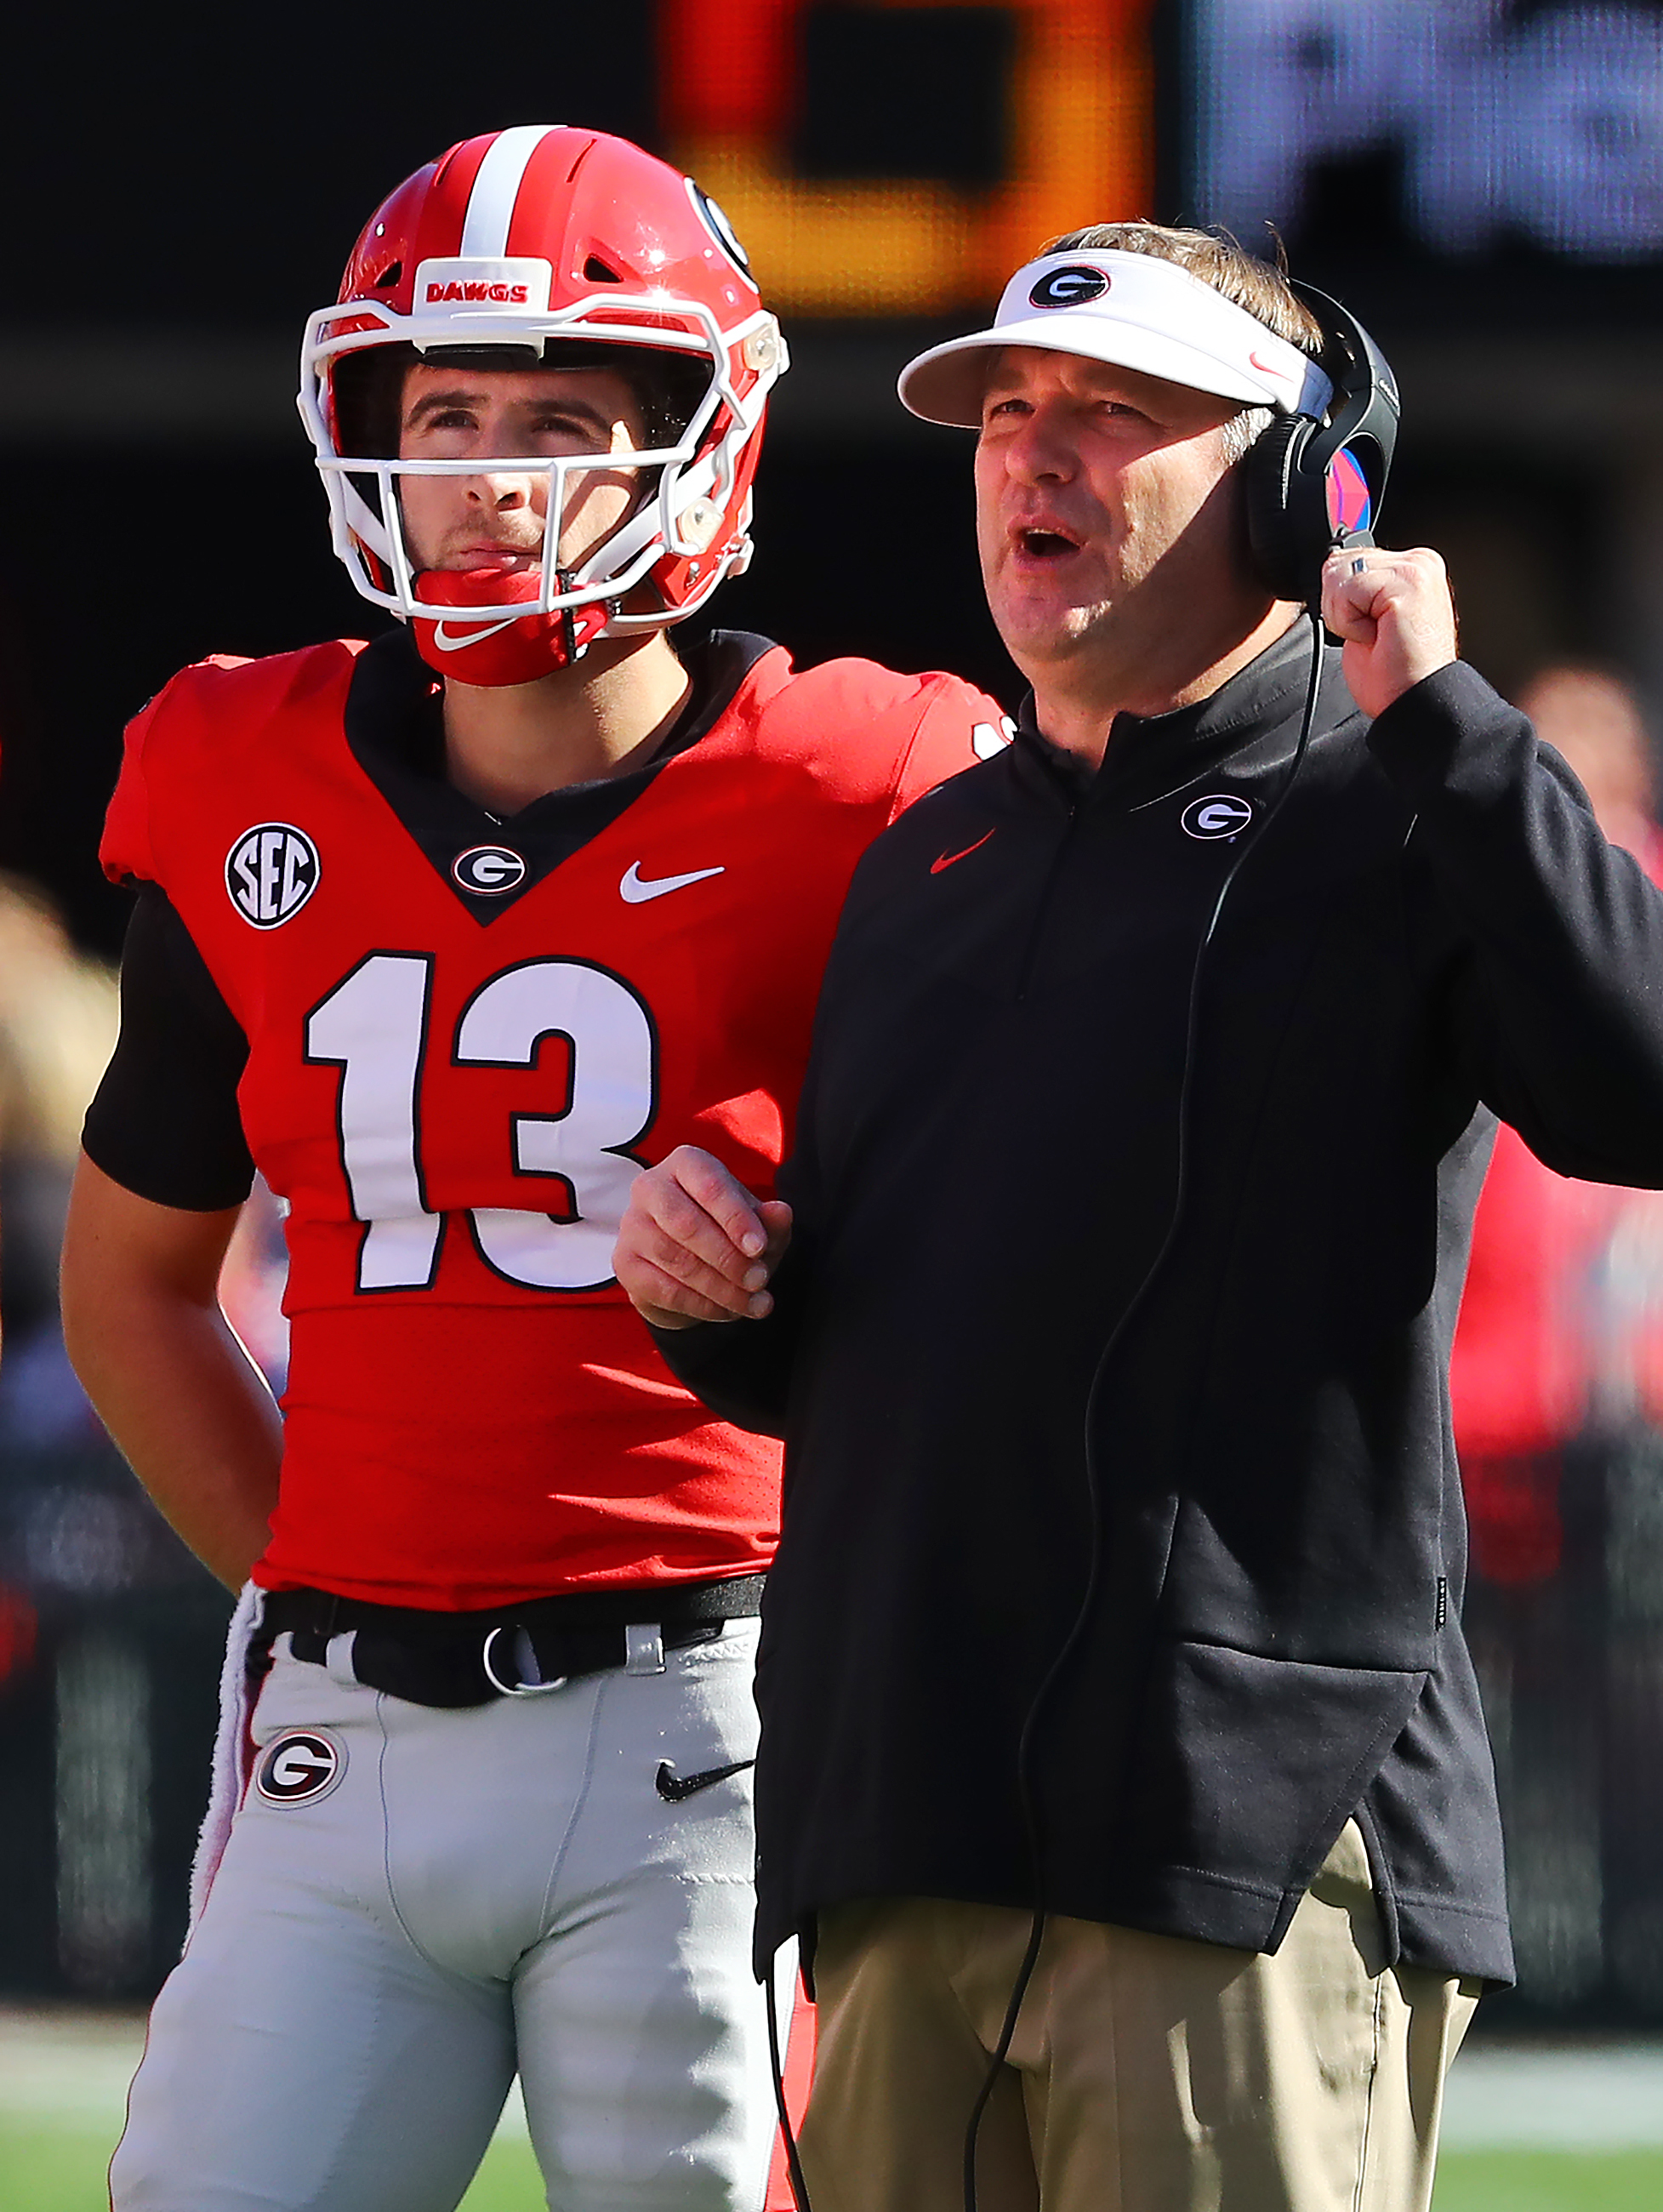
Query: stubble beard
{"x": 1059, "y": 638}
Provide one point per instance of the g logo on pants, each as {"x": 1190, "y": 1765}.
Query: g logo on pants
{"x": 300, "y": 1766}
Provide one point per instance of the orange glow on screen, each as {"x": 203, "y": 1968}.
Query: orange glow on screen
{"x": 1081, "y": 99}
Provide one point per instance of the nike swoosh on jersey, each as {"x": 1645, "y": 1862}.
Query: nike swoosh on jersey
{"x": 673, "y": 1787}
{"x": 947, "y": 858}
{"x": 635, "y": 888}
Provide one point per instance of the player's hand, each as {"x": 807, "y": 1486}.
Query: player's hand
{"x": 1396, "y": 616}
{"x": 694, "y": 1245}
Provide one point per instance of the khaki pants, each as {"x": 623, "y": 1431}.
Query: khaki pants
{"x": 1148, "y": 2073}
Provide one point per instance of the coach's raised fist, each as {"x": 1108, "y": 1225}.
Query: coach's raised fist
{"x": 695, "y": 1245}
{"x": 1396, "y": 616}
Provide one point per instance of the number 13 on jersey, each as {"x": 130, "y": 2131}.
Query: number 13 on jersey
{"x": 374, "y": 1025}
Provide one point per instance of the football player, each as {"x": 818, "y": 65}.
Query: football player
{"x": 448, "y": 935}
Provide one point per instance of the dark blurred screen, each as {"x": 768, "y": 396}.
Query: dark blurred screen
{"x": 1467, "y": 128}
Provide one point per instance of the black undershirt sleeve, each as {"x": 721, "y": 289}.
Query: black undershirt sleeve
{"x": 164, "y": 1122}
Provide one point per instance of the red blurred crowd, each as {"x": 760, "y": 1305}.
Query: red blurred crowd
{"x": 1561, "y": 1329}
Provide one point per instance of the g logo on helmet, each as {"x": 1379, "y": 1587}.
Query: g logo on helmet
{"x": 716, "y": 222}
{"x": 301, "y": 1764}
{"x": 1220, "y": 816}
{"x": 1070, "y": 287}
{"x": 490, "y": 869}
{"x": 270, "y": 873}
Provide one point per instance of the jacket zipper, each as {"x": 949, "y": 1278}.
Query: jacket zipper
{"x": 1041, "y": 912}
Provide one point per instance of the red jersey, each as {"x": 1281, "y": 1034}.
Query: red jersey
{"x": 466, "y": 1037}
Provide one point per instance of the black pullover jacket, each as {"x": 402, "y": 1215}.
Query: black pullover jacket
{"x": 1244, "y": 1500}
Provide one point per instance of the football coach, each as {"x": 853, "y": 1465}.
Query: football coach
{"x": 1122, "y": 1762}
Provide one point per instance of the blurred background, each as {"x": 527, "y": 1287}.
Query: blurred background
{"x": 1481, "y": 180}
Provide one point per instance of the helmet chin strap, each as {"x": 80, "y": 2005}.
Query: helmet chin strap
{"x": 499, "y": 650}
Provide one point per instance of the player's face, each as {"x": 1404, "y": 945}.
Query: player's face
{"x": 1104, "y": 507}
{"x": 495, "y": 520}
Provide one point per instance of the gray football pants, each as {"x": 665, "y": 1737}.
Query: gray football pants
{"x": 479, "y": 1891}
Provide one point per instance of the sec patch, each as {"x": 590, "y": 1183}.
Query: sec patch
{"x": 299, "y": 1767}
{"x": 270, "y": 873}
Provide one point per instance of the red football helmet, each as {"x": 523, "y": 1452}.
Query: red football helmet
{"x": 544, "y": 236}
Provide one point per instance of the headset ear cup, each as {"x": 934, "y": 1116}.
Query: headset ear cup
{"x": 1278, "y": 533}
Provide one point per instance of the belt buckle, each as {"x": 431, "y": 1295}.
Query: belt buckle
{"x": 516, "y": 1689}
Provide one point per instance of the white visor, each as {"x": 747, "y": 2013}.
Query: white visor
{"x": 1132, "y": 311}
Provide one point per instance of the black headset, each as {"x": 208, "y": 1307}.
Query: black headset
{"x": 1311, "y": 482}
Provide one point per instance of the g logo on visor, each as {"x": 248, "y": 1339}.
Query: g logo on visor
{"x": 1070, "y": 287}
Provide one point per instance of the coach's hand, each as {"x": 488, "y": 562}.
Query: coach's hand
{"x": 694, "y": 1245}
{"x": 1397, "y": 618}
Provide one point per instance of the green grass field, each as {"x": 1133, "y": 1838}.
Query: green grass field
{"x": 59, "y": 2167}
{"x": 1548, "y": 2181}
{"x": 63, "y": 2077}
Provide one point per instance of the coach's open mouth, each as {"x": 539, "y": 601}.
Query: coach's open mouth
{"x": 1046, "y": 544}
